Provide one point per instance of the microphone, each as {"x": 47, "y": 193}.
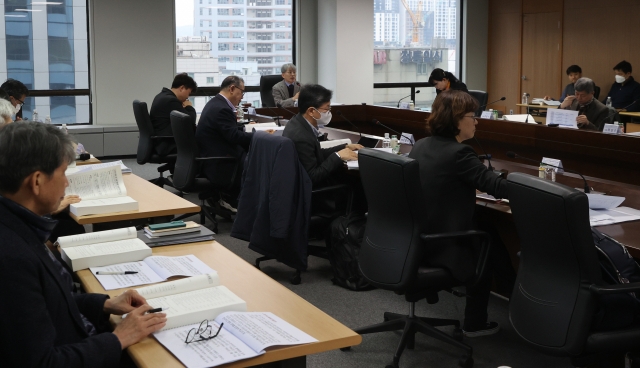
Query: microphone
{"x": 418, "y": 91}
{"x": 285, "y": 109}
{"x": 488, "y": 156}
{"x": 616, "y": 111}
{"x": 512, "y": 154}
{"x": 377, "y": 122}
{"x": 491, "y": 103}
{"x": 277, "y": 117}
{"x": 350, "y": 123}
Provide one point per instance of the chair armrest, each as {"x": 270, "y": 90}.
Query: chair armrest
{"x": 161, "y": 136}
{"x": 216, "y": 158}
{"x": 455, "y": 234}
{"x": 615, "y": 289}
{"x": 330, "y": 188}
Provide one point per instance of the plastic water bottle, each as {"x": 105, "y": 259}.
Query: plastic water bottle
{"x": 609, "y": 104}
{"x": 395, "y": 146}
{"x": 386, "y": 142}
{"x": 47, "y": 120}
{"x": 621, "y": 127}
{"x": 34, "y": 117}
{"x": 412, "y": 106}
{"x": 64, "y": 129}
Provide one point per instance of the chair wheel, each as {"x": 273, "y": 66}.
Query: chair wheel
{"x": 345, "y": 349}
{"x": 296, "y": 279}
{"x": 466, "y": 362}
{"x": 457, "y": 334}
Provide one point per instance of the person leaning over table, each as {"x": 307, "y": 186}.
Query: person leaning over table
{"x": 43, "y": 324}
{"x": 450, "y": 174}
{"x": 287, "y": 91}
{"x": 444, "y": 81}
{"x": 592, "y": 114}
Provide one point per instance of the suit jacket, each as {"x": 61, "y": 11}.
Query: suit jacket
{"x": 319, "y": 162}
{"x": 219, "y": 135}
{"x": 161, "y": 107}
{"x": 596, "y": 112}
{"x": 280, "y": 93}
{"x": 275, "y": 201}
{"x": 41, "y": 324}
{"x": 450, "y": 173}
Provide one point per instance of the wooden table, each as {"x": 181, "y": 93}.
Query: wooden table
{"x": 153, "y": 201}
{"x": 261, "y": 293}
{"x": 90, "y": 161}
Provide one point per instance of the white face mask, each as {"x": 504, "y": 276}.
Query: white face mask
{"x": 324, "y": 119}
{"x": 620, "y": 79}
{"x": 16, "y": 109}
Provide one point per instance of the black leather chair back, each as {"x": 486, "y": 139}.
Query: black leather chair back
{"x": 145, "y": 129}
{"x": 391, "y": 248}
{"x": 596, "y": 92}
{"x": 186, "y": 167}
{"x": 266, "y": 85}
{"x": 482, "y": 98}
{"x": 614, "y": 116}
{"x": 551, "y": 305}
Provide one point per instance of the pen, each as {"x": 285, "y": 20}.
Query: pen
{"x": 156, "y": 310}
{"x": 116, "y": 272}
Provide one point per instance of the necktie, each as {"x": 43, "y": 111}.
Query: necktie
{"x": 290, "y": 88}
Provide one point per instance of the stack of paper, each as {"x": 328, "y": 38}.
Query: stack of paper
{"x": 203, "y": 234}
{"x": 604, "y": 210}
{"x": 123, "y": 167}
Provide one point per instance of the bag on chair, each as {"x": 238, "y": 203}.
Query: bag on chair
{"x": 618, "y": 266}
{"x": 344, "y": 243}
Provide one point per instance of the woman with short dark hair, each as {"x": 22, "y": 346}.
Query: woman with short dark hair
{"x": 450, "y": 173}
{"x": 444, "y": 81}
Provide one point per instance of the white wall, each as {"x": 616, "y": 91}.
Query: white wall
{"x": 475, "y": 43}
{"x": 307, "y": 41}
{"x": 132, "y": 55}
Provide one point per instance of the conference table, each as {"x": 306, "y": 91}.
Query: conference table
{"x": 610, "y": 163}
{"x": 262, "y": 294}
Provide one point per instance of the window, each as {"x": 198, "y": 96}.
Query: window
{"x": 278, "y": 2}
{"x": 238, "y": 1}
{"x": 263, "y": 13}
{"x": 280, "y": 13}
{"x": 210, "y": 80}
{"x": 263, "y": 36}
{"x": 223, "y": 1}
{"x": 264, "y": 60}
{"x": 201, "y": 11}
{"x": 263, "y": 48}
{"x": 237, "y": 12}
{"x": 281, "y": 47}
{"x": 223, "y": 23}
{"x": 263, "y": 2}
{"x": 223, "y": 47}
{"x": 282, "y": 59}
{"x": 238, "y": 23}
{"x": 223, "y": 34}
{"x": 238, "y": 58}
{"x": 222, "y": 11}
{"x": 238, "y": 46}
{"x": 223, "y": 59}
{"x": 209, "y": 11}
{"x": 280, "y": 24}
{"x": 280, "y": 35}
{"x": 237, "y": 35}
{"x": 265, "y": 71}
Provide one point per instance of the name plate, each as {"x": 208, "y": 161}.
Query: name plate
{"x": 404, "y": 105}
{"x": 554, "y": 162}
{"x": 611, "y": 129}
{"x": 486, "y": 115}
{"x": 407, "y": 138}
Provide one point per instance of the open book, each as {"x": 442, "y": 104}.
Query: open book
{"x": 192, "y": 300}
{"x": 102, "y": 191}
{"x": 102, "y": 248}
{"x": 151, "y": 270}
{"x": 243, "y": 336}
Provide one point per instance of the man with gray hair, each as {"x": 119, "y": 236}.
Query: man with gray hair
{"x": 592, "y": 114}
{"x": 286, "y": 91}
{"x": 44, "y": 323}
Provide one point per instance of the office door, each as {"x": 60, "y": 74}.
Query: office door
{"x": 541, "y": 54}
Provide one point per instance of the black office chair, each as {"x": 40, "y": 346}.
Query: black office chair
{"x": 266, "y": 85}
{"x": 146, "y": 139}
{"x": 395, "y": 244}
{"x": 596, "y": 92}
{"x": 482, "y": 98}
{"x": 614, "y": 116}
{"x": 186, "y": 176}
{"x": 559, "y": 280}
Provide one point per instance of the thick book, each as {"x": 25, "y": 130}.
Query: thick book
{"x": 101, "y": 190}
{"x": 203, "y": 234}
{"x": 190, "y": 227}
{"x": 192, "y": 300}
{"x": 243, "y": 335}
{"x": 102, "y": 248}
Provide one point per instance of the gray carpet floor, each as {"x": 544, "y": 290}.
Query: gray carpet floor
{"x": 357, "y": 309}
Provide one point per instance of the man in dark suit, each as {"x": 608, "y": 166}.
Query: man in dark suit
{"x": 315, "y": 111}
{"x": 44, "y": 324}
{"x": 287, "y": 91}
{"x": 176, "y": 98}
{"x": 592, "y": 114}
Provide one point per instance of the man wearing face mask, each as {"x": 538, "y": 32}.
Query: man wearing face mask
{"x": 314, "y": 105}
{"x": 592, "y": 114}
{"x": 625, "y": 90}
{"x": 17, "y": 92}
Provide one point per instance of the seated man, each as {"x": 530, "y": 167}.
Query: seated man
{"x": 17, "y": 92}
{"x": 176, "y": 98}
{"x": 315, "y": 109}
{"x": 574, "y": 72}
{"x": 45, "y": 324}
{"x": 625, "y": 91}
{"x": 219, "y": 135}
{"x": 286, "y": 92}
{"x": 592, "y": 114}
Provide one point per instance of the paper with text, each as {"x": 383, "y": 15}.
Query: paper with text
{"x": 564, "y": 118}
{"x": 604, "y": 202}
{"x": 613, "y": 216}
{"x": 95, "y": 184}
{"x": 180, "y": 286}
{"x": 118, "y": 163}
{"x": 97, "y": 237}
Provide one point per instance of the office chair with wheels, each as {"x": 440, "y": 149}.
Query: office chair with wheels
{"x": 559, "y": 280}
{"x": 482, "y": 98}
{"x": 395, "y": 245}
{"x": 186, "y": 176}
{"x": 146, "y": 143}
{"x": 266, "y": 85}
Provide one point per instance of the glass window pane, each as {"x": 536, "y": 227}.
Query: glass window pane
{"x": 238, "y": 38}
{"x": 46, "y": 49}
{"x": 411, "y": 38}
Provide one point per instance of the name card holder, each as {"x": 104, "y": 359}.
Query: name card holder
{"x": 554, "y": 162}
{"x": 611, "y": 129}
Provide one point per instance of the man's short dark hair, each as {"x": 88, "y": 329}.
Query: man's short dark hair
{"x": 15, "y": 88}
{"x": 313, "y": 95}
{"x": 4, "y": 95}
{"x": 232, "y": 80}
{"x": 623, "y": 66}
{"x": 574, "y": 69}
{"x": 27, "y": 147}
{"x": 183, "y": 79}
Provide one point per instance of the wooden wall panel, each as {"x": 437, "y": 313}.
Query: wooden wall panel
{"x": 541, "y": 6}
{"x": 541, "y": 39}
{"x": 612, "y": 35}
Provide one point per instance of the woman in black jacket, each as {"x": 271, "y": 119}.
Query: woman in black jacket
{"x": 444, "y": 81}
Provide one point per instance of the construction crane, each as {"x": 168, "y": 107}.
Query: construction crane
{"x": 416, "y": 19}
